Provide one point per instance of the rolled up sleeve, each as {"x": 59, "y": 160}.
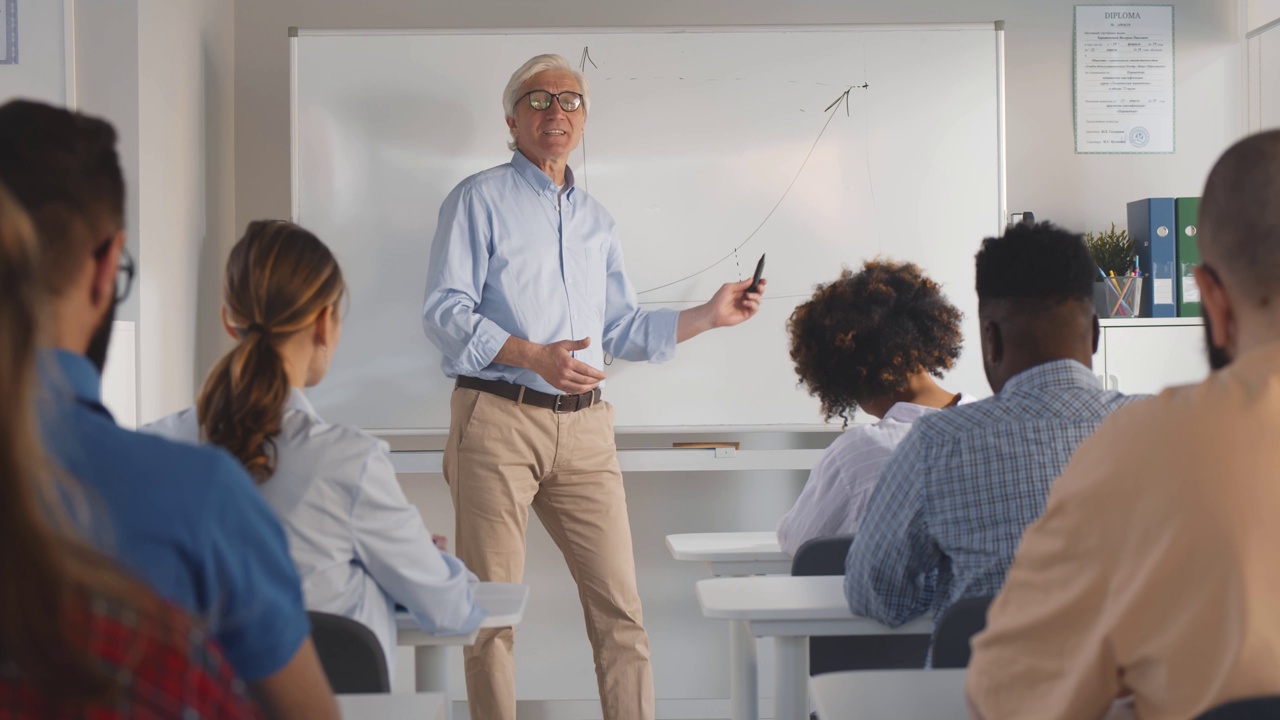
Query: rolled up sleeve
{"x": 455, "y": 285}
{"x": 631, "y": 332}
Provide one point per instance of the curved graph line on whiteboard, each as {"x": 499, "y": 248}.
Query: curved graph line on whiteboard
{"x": 843, "y": 98}
{"x": 586, "y": 58}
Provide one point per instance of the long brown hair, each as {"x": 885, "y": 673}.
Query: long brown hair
{"x": 279, "y": 279}
{"x": 44, "y": 570}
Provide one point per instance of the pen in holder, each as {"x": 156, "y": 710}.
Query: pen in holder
{"x": 1118, "y": 296}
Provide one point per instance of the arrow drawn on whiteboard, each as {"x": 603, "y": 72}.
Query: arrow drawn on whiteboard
{"x": 582, "y": 68}
{"x": 843, "y": 97}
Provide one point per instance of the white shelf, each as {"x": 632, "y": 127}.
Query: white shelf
{"x": 832, "y": 427}
{"x": 1150, "y": 322}
{"x": 429, "y": 462}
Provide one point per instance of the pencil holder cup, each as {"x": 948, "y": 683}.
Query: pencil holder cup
{"x": 1118, "y": 297}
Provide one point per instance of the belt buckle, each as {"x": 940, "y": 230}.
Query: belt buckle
{"x": 556, "y": 408}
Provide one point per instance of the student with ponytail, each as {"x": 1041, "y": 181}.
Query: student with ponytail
{"x": 77, "y": 637}
{"x": 358, "y": 544}
{"x": 185, "y": 520}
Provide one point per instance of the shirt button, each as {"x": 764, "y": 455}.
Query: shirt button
{"x": 568, "y": 282}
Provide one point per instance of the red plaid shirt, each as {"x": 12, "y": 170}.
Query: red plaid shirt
{"x": 167, "y": 668}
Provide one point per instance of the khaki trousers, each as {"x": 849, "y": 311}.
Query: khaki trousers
{"x": 504, "y": 457}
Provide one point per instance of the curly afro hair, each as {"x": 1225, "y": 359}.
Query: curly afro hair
{"x": 864, "y": 335}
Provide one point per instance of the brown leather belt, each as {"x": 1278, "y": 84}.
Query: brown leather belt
{"x": 521, "y": 394}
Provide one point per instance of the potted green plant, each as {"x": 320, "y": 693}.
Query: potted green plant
{"x": 1118, "y": 290}
{"x": 1113, "y": 250}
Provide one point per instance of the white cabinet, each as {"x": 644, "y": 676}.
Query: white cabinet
{"x": 1148, "y": 355}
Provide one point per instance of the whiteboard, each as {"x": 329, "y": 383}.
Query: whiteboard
{"x": 709, "y": 147}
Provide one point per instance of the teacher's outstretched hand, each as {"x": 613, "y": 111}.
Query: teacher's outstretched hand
{"x": 731, "y": 305}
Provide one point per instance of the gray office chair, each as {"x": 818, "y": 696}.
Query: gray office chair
{"x": 1259, "y": 708}
{"x": 957, "y": 626}
{"x": 350, "y": 653}
{"x": 826, "y": 556}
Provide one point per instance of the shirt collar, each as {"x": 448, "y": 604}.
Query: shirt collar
{"x": 540, "y": 181}
{"x": 65, "y": 369}
{"x": 912, "y": 411}
{"x": 905, "y": 412}
{"x": 1053, "y": 374}
{"x": 298, "y": 401}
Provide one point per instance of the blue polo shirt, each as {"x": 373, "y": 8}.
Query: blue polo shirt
{"x": 187, "y": 520}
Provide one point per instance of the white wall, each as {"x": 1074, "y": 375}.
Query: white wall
{"x": 1045, "y": 175}
{"x": 1262, "y": 12}
{"x": 40, "y": 73}
{"x": 106, "y": 72}
{"x": 1082, "y": 192}
{"x": 186, "y": 166}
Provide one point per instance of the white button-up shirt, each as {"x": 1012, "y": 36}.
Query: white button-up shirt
{"x": 840, "y": 485}
{"x": 358, "y": 545}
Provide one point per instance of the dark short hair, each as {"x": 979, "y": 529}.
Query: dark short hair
{"x": 63, "y": 168}
{"x": 864, "y": 335}
{"x": 1240, "y": 216}
{"x": 1040, "y": 263}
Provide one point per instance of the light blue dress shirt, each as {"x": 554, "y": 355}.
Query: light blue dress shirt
{"x": 951, "y": 506}
{"x": 358, "y": 544}
{"x": 514, "y": 255}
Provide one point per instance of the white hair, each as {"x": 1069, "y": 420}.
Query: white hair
{"x": 535, "y": 65}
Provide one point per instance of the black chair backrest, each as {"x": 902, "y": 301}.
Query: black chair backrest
{"x": 350, "y": 653}
{"x": 822, "y": 556}
{"x": 826, "y": 556}
{"x": 1259, "y": 708}
{"x": 964, "y": 619}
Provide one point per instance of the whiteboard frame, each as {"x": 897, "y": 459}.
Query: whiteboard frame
{"x": 997, "y": 27}
{"x": 1260, "y": 30}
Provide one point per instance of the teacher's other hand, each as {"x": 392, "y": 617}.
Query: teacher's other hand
{"x": 556, "y": 364}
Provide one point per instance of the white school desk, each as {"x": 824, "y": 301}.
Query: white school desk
{"x": 505, "y": 603}
{"x": 379, "y": 706}
{"x": 734, "y": 554}
{"x": 890, "y": 695}
{"x": 791, "y": 610}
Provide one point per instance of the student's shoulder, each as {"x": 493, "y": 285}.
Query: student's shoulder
{"x": 181, "y": 468}
{"x": 182, "y": 426}
{"x": 331, "y": 448}
{"x": 971, "y": 415}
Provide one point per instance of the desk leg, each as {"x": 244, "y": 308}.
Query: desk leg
{"x": 431, "y": 673}
{"x": 744, "y": 694}
{"x": 791, "y": 694}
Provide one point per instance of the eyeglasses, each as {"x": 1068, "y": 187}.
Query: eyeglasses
{"x": 541, "y": 100}
{"x": 124, "y": 275}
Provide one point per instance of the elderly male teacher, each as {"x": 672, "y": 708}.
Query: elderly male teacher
{"x": 526, "y": 291}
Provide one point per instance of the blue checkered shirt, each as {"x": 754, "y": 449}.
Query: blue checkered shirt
{"x": 952, "y": 504}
